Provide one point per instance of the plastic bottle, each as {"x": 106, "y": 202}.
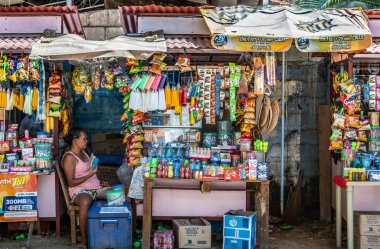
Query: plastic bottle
{"x": 170, "y": 170}
{"x": 177, "y": 169}
{"x": 159, "y": 169}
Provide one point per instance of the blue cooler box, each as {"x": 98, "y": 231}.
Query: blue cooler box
{"x": 109, "y": 227}
{"x": 239, "y": 230}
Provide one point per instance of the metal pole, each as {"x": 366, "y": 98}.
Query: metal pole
{"x": 282, "y": 133}
{"x": 69, "y": 2}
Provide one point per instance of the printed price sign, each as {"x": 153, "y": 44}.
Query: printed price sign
{"x": 18, "y": 197}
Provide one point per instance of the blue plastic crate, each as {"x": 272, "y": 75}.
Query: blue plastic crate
{"x": 109, "y": 227}
{"x": 239, "y": 231}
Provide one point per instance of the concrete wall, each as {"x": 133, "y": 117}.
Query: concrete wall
{"x": 306, "y": 88}
{"x": 101, "y": 25}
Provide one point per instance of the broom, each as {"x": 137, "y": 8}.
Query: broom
{"x": 292, "y": 212}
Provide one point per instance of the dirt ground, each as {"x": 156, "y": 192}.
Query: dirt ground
{"x": 311, "y": 235}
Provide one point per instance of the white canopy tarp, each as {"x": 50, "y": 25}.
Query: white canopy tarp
{"x": 272, "y": 28}
{"x": 74, "y": 47}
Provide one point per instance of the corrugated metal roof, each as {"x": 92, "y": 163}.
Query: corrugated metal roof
{"x": 188, "y": 42}
{"x": 129, "y": 14}
{"x": 15, "y": 43}
{"x": 69, "y": 15}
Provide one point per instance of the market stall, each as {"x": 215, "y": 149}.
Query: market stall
{"x": 355, "y": 169}
{"x": 27, "y": 146}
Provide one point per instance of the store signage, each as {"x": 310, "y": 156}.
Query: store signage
{"x": 18, "y": 197}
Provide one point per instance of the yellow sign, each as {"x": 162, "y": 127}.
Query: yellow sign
{"x": 251, "y": 43}
{"x": 342, "y": 43}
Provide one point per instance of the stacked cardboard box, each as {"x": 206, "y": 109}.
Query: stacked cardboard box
{"x": 367, "y": 230}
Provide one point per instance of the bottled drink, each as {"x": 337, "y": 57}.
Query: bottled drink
{"x": 170, "y": 170}
{"x": 159, "y": 169}
{"x": 165, "y": 170}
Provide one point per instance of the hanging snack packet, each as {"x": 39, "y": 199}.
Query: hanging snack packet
{"x": 132, "y": 62}
{"x": 137, "y": 145}
{"x": 109, "y": 79}
{"x": 95, "y": 77}
{"x": 350, "y": 104}
{"x": 22, "y": 69}
{"x": 134, "y": 161}
{"x": 135, "y": 153}
{"x": 88, "y": 94}
{"x": 348, "y": 87}
{"x": 336, "y": 145}
{"x": 339, "y": 121}
{"x": 362, "y": 136}
{"x": 157, "y": 68}
{"x": 184, "y": 63}
{"x": 258, "y": 76}
{"x": 34, "y": 70}
{"x": 366, "y": 90}
{"x": 352, "y": 121}
{"x": 337, "y": 134}
{"x": 3, "y": 68}
{"x": 81, "y": 79}
{"x": 350, "y": 134}
{"x": 55, "y": 110}
{"x": 136, "y": 68}
{"x": 365, "y": 124}
{"x": 12, "y": 69}
{"x": 158, "y": 58}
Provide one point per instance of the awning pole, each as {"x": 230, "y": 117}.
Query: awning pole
{"x": 282, "y": 132}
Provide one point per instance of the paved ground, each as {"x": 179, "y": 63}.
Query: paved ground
{"x": 309, "y": 235}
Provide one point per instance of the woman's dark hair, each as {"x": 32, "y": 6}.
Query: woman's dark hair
{"x": 74, "y": 132}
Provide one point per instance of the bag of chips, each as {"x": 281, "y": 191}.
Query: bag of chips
{"x": 339, "y": 121}
{"x": 22, "y": 69}
{"x": 348, "y": 87}
{"x": 352, "y": 121}
{"x": 3, "y": 68}
{"x": 137, "y": 145}
{"x": 34, "y": 70}
{"x": 336, "y": 135}
{"x": 134, "y": 161}
{"x": 362, "y": 136}
{"x": 12, "y": 69}
{"x": 81, "y": 79}
{"x": 350, "y": 104}
{"x": 350, "y": 134}
{"x": 365, "y": 124}
{"x": 135, "y": 153}
{"x": 95, "y": 76}
{"x": 336, "y": 145}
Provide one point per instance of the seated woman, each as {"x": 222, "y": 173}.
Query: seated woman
{"x": 84, "y": 185}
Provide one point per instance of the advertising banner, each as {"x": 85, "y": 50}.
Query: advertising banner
{"x": 18, "y": 197}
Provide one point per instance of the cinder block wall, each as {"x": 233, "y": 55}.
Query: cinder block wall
{"x": 102, "y": 24}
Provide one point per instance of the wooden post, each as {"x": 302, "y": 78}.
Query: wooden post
{"x": 325, "y": 170}
{"x": 147, "y": 214}
{"x": 262, "y": 214}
